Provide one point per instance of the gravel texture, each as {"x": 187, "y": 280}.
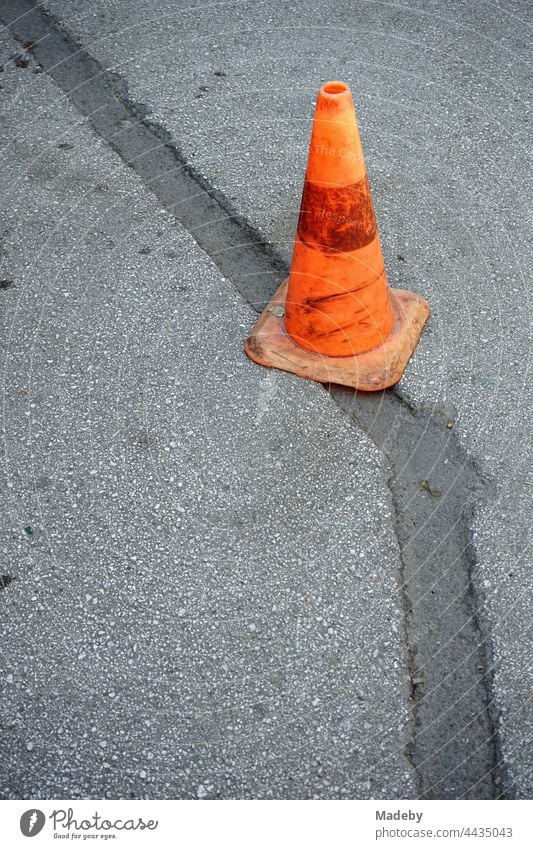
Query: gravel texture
{"x": 442, "y": 94}
{"x": 200, "y": 596}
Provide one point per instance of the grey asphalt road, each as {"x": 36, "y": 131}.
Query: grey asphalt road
{"x": 441, "y": 94}
{"x": 442, "y": 98}
{"x": 200, "y": 596}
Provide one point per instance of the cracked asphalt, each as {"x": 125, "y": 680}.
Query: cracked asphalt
{"x": 195, "y": 609}
{"x": 282, "y": 524}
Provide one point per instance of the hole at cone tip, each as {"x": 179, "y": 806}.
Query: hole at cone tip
{"x": 335, "y": 88}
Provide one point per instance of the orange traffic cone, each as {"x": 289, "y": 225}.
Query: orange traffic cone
{"x": 334, "y": 319}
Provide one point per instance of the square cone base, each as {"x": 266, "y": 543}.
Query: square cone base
{"x": 269, "y": 345}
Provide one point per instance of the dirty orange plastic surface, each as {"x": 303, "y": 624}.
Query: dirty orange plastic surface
{"x": 334, "y": 319}
{"x": 338, "y": 302}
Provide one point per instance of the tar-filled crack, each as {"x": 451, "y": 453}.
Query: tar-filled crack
{"x": 453, "y": 745}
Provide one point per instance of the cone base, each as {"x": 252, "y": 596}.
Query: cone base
{"x": 269, "y": 345}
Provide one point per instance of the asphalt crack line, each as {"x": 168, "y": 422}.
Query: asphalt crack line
{"x": 447, "y": 647}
